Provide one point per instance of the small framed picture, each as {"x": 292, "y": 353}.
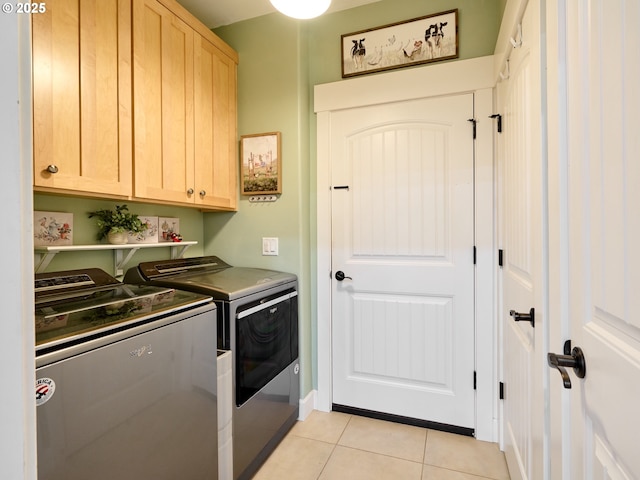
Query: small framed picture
{"x": 168, "y": 229}
{"x": 150, "y": 235}
{"x": 52, "y": 228}
{"x": 261, "y": 164}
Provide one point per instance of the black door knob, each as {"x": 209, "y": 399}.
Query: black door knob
{"x": 525, "y": 317}
{"x": 340, "y": 276}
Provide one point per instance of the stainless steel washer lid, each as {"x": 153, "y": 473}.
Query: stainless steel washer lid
{"x": 77, "y": 304}
{"x": 211, "y": 276}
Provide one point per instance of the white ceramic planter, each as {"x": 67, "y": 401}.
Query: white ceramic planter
{"x": 117, "y": 238}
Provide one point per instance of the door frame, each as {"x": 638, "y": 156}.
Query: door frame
{"x": 465, "y": 76}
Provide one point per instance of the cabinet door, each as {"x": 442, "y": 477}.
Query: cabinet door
{"x": 82, "y": 97}
{"x": 163, "y": 103}
{"x": 216, "y": 163}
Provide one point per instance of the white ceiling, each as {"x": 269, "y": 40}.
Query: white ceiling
{"x": 215, "y": 13}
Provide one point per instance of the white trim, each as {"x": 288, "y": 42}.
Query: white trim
{"x": 499, "y": 279}
{"x": 307, "y": 405}
{"x": 408, "y": 84}
{"x": 513, "y": 12}
{"x": 486, "y": 268}
{"x": 323, "y": 263}
{"x": 475, "y": 75}
{"x": 18, "y": 417}
{"x": 511, "y": 20}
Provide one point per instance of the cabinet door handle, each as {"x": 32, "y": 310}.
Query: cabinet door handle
{"x": 203, "y": 193}
{"x": 52, "y": 169}
{"x": 190, "y": 191}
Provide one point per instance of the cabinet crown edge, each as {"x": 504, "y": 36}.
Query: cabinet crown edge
{"x": 199, "y": 27}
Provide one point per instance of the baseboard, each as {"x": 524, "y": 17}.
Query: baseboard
{"x": 307, "y": 405}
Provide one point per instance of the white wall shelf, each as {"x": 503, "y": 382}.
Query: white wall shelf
{"x": 44, "y": 255}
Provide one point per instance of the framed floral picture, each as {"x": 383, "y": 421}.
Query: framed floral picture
{"x": 52, "y": 228}
{"x": 150, "y": 235}
{"x": 261, "y": 164}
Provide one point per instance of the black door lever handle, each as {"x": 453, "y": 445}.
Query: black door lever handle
{"x": 575, "y": 360}
{"x": 340, "y": 276}
{"x": 525, "y": 317}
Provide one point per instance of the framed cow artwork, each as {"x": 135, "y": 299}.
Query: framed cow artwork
{"x": 421, "y": 40}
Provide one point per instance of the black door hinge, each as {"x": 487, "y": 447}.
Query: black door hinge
{"x": 500, "y": 258}
{"x": 499, "y": 117}
{"x": 501, "y": 391}
{"x": 474, "y": 121}
{"x": 475, "y": 254}
{"x": 475, "y": 380}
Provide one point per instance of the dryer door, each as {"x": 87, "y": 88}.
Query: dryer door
{"x": 266, "y": 342}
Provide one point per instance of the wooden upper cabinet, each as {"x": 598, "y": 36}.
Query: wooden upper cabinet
{"x": 215, "y": 126}
{"x": 82, "y": 127}
{"x": 163, "y": 104}
{"x": 185, "y": 110}
{"x": 158, "y": 125}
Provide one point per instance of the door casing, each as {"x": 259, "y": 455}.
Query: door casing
{"x": 474, "y": 75}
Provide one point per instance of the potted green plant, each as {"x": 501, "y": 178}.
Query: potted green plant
{"x": 116, "y": 224}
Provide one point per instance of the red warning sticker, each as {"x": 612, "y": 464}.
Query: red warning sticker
{"x": 45, "y": 387}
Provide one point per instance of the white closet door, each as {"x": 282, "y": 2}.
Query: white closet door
{"x": 598, "y": 229}
{"x": 402, "y": 227}
{"x": 522, "y": 187}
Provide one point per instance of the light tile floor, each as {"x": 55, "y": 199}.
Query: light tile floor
{"x": 338, "y": 446}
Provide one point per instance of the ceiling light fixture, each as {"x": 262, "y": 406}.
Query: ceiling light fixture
{"x": 302, "y": 9}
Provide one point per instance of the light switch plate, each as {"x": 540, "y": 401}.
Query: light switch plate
{"x": 269, "y": 245}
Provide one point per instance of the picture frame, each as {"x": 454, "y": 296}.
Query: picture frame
{"x": 168, "y": 228}
{"x": 421, "y": 40}
{"x": 261, "y": 164}
{"x": 52, "y": 228}
{"x": 150, "y": 235}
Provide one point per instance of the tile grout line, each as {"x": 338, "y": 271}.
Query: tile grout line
{"x": 380, "y": 454}
{"x": 334, "y": 447}
{"x": 424, "y": 452}
{"x": 327, "y": 461}
{"x": 421, "y": 462}
{"x": 428, "y": 438}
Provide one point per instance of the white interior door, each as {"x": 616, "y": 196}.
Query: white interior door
{"x": 402, "y": 228}
{"x": 522, "y": 218}
{"x": 598, "y": 226}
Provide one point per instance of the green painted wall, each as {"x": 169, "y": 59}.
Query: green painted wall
{"x": 85, "y": 230}
{"x": 281, "y": 59}
{"x": 478, "y": 24}
{"x": 501, "y": 7}
{"x": 273, "y": 95}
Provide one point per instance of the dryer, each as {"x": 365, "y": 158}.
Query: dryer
{"x": 258, "y": 321}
